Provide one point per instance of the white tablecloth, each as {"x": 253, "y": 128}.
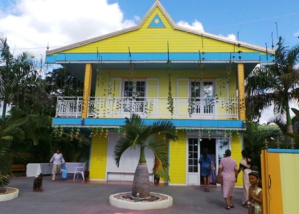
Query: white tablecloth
{"x": 34, "y": 169}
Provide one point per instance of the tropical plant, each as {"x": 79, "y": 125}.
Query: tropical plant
{"x": 60, "y": 82}
{"x": 276, "y": 85}
{"x": 138, "y": 134}
{"x": 255, "y": 136}
{"x": 294, "y": 139}
{"x": 16, "y": 73}
{"x": 9, "y": 130}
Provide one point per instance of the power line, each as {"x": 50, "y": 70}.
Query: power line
{"x": 256, "y": 20}
{"x": 229, "y": 25}
{"x": 36, "y": 48}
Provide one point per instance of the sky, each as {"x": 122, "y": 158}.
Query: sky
{"x": 34, "y": 25}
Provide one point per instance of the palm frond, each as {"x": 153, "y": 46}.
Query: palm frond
{"x": 166, "y": 128}
{"x": 121, "y": 146}
{"x": 296, "y": 112}
{"x": 160, "y": 150}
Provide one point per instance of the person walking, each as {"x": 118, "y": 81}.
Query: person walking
{"x": 205, "y": 168}
{"x": 245, "y": 167}
{"x": 228, "y": 170}
{"x": 57, "y": 159}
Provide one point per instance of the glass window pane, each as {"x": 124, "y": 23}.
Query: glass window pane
{"x": 192, "y": 154}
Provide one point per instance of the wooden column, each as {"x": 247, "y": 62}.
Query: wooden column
{"x": 241, "y": 92}
{"x": 87, "y": 88}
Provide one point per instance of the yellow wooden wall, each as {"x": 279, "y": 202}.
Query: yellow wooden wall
{"x": 280, "y": 173}
{"x": 160, "y": 78}
{"x": 98, "y": 157}
{"x": 289, "y": 172}
{"x": 177, "y": 159}
{"x": 271, "y": 177}
{"x": 236, "y": 149}
{"x": 147, "y": 39}
{"x": 275, "y": 190}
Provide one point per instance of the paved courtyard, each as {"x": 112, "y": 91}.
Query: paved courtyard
{"x": 68, "y": 197}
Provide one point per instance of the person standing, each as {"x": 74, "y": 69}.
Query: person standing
{"x": 228, "y": 170}
{"x": 255, "y": 199}
{"x": 205, "y": 168}
{"x": 57, "y": 159}
{"x": 245, "y": 167}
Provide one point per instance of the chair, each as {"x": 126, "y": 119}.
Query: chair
{"x": 79, "y": 170}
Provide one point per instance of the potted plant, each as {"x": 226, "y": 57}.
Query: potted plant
{"x": 156, "y": 178}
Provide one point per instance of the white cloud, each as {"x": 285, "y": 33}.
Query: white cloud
{"x": 296, "y": 34}
{"x": 30, "y": 25}
{"x": 230, "y": 36}
{"x": 196, "y": 25}
{"x": 137, "y": 18}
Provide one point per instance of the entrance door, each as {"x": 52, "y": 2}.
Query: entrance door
{"x": 210, "y": 144}
{"x": 193, "y": 176}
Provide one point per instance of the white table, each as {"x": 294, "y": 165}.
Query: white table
{"x": 34, "y": 169}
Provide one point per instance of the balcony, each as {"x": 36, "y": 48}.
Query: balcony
{"x": 148, "y": 107}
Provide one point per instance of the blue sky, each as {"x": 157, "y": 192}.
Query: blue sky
{"x": 30, "y": 25}
{"x": 251, "y": 21}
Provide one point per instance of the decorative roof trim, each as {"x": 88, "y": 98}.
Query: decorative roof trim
{"x": 178, "y": 57}
{"x": 190, "y": 124}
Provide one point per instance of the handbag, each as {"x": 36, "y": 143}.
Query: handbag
{"x": 219, "y": 179}
{"x": 212, "y": 166}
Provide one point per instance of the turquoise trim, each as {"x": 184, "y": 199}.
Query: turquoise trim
{"x": 116, "y": 122}
{"x": 156, "y": 22}
{"x": 50, "y": 59}
{"x": 295, "y": 151}
{"x": 188, "y": 56}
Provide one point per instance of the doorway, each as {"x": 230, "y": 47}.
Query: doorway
{"x": 210, "y": 144}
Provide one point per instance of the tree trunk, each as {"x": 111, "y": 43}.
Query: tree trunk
{"x": 4, "y": 109}
{"x": 289, "y": 120}
{"x": 141, "y": 186}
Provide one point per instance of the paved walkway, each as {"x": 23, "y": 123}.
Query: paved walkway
{"x": 67, "y": 197}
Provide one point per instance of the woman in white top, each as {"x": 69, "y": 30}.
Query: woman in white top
{"x": 245, "y": 166}
{"x": 57, "y": 160}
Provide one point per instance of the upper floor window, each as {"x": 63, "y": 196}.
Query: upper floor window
{"x": 202, "y": 95}
{"x": 134, "y": 92}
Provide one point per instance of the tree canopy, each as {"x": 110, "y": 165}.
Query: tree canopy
{"x": 276, "y": 84}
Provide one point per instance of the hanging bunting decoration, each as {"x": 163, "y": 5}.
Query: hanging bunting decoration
{"x": 170, "y": 98}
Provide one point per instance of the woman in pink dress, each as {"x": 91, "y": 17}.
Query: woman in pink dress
{"x": 228, "y": 170}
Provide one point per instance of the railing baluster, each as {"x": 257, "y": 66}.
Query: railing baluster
{"x": 204, "y": 108}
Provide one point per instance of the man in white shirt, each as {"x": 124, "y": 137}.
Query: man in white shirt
{"x": 57, "y": 160}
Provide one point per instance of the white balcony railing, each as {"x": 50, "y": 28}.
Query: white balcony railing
{"x": 183, "y": 108}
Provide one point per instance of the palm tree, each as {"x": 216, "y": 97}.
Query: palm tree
{"x": 137, "y": 134}
{"x": 275, "y": 85}
{"x": 14, "y": 74}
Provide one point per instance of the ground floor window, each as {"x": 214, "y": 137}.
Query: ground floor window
{"x": 192, "y": 155}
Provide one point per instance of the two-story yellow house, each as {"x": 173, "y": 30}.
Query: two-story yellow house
{"x": 159, "y": 70}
